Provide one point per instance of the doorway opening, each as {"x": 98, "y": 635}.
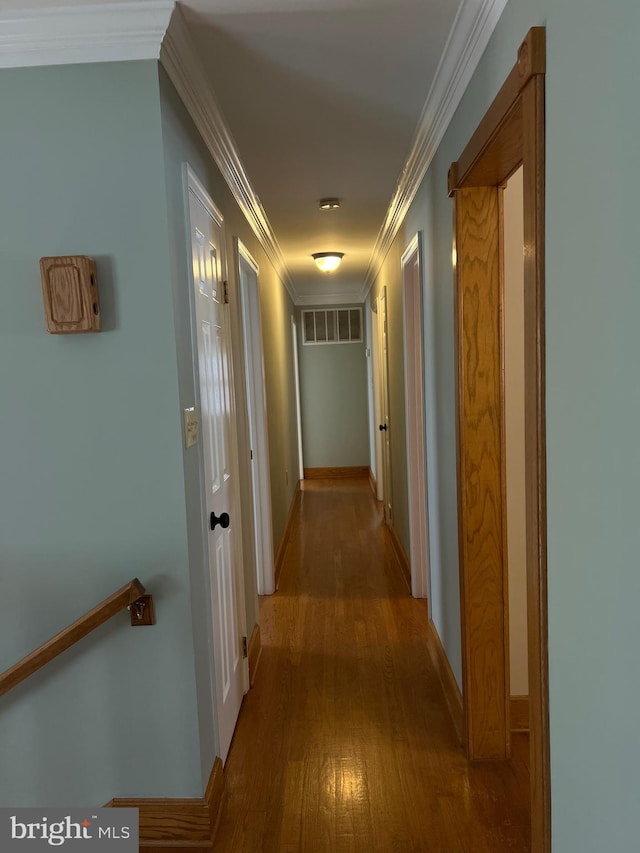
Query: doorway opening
{"x": 510, "y": 135}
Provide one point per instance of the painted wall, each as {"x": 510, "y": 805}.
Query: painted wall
{"x": 182, "y": 143}
{"x": 514, "y": 432}
{"x": 334, "y": 403}
{"x": 593, "y": 399}
{"x": 91, "y": 482}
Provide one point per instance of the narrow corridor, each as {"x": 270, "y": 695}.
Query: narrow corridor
{"x": 346, "y": 743}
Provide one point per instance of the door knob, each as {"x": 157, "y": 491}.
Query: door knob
{"x": 383, "y": 427}
{"x": 222, "y": 520}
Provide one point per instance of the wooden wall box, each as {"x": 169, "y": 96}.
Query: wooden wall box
{"x": 70, "y": 291}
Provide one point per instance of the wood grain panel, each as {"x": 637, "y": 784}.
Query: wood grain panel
{"x": 340, "y": 473}
{"x": 480, "y": 460}
{"x": 519, "y": 714}
{"x": 70, "y": 293}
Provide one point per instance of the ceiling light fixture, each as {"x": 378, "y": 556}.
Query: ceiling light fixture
{"x": 329, "y": 203}
{"x": 328, "y": 261}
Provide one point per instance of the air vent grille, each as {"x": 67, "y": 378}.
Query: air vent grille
{"x": 332, "y": 326}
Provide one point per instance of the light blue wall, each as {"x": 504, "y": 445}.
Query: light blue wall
{"x": 334, "y": 404}
{"x": 593, "y": 399}
{"x": 593, "y": 417}
{"x": 91, "y": 482}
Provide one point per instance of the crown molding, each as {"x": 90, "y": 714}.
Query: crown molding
{"x": 469, "y": 36}
{"x": 190, "y": 80}
{"x": 112, "y": 32}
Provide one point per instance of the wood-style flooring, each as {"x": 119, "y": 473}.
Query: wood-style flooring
{"x": 345, "y": 744}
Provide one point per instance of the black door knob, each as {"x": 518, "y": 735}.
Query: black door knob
{"x": 383, "y": 427}
{"x": 222, "y": 520}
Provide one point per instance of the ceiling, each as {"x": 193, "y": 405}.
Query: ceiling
{"x": 322, "y": 98}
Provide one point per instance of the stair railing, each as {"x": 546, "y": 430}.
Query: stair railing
{"x": 131, "y": 596}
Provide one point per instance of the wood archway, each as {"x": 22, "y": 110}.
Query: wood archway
{"x": 510, "y": 135}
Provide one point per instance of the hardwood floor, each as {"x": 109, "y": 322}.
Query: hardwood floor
{"x": 345, "y": 744}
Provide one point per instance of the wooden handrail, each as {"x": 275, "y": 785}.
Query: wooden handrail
{"x": 121, "y": 599}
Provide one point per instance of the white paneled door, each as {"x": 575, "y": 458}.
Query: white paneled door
{"x": 216, "y": 416}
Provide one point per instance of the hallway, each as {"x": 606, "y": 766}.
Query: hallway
{"x": 346, "y": 743}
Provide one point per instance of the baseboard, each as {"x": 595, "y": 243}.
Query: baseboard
{"x": 519, "y": 713}
{"x": 401, "y": 555}
{"x": 254, "y": 653}
{"x": 360, "y": 472}
{"x": 286, "y": 535}
{"x": 373, "y": 484}
{"x": 450, "y": 688}
{"x": 179, "y": 824}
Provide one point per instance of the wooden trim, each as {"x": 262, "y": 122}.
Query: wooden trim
{"x": 513, "y": 133}
{"x": 401, "y": 555}
{"x": 450, "y": 688}
{"x": 519, "y": 713}
{"x": 345, "y": 473}
{"x": 214, "y": 794}
{"x": 480, "y": 462}
{"x": 66, "y": 638}
{"x": 506, "y": 651}
{"x": 180, "y": 824}
{"x": 254, "y": 653}
{"x": 372, "y": 484}
{"x": 286, "y": 534}
{"x": 536, "y": 460}
{"x": 494, "y": 151}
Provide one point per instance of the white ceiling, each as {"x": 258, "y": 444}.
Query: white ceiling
{"x": 326, "y": 98}
{"x": 322, "y": 98}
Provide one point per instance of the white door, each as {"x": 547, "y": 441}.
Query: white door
{"x": 257, "y": 416}
{"x": 414, "y": 416}
{"x": 296, "y": 380}
{"x": 213, "y": 351}
{"x": 384, "y": 425}
{"x": 377, "y": 408}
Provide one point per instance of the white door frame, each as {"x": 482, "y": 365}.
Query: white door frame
{"x": 296, "y": 372}
{"x": 377, "y": 411}
{"x": 385, "y": 419}
{"x": 255, "y": 388}
{"x": 415, "y": 417}
{"x": 192, "y": 184}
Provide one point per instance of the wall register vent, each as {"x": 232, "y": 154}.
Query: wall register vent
{"x": 335, "y": 326}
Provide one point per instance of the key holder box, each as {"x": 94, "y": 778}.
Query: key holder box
{"x": 70, "y": 292}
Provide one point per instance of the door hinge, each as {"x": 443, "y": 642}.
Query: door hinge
{"x": 244, "y": 647}
{"x": 225, "y": 285}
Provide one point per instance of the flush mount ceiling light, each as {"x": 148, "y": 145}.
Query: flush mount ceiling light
{"x": 329, "y": 203}
{"x": 328, "y": 261}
